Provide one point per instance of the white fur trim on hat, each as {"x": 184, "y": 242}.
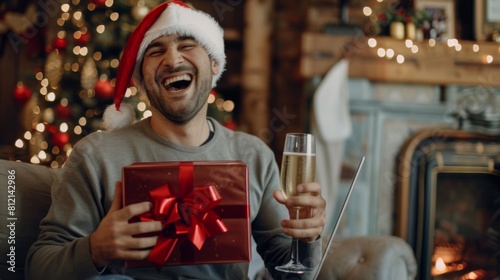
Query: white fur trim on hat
{"x": 183, "y": 21}
{"x": 114, "y": 119}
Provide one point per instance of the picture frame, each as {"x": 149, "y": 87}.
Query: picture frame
{"x": 487, "y": 19}
{"x": 444, "y": 13}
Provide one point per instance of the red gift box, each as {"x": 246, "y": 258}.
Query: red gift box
{"x": 203, "y": 206}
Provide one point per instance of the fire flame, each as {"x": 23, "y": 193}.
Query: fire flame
{"x": 440, "y": 265}
{"x": 471, "y": 275}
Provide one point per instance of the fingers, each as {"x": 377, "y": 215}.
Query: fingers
{"x": 306, "y": 229}
{"x": 142, "y": 227}
{"x": 305, "y": 235}
{"x": 279, "y": 196}
{"x": 132, "y": 210}
{"x": 114, "y": 237}
{"x": 309, "y": 196}
{"x": 311, "y": 216}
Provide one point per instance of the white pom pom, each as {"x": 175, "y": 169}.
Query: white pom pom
{"x": 114, "y": 119}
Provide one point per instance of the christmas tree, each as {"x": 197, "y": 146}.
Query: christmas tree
{"x": 77, "y": 81}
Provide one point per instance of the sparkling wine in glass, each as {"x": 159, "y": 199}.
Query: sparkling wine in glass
{"x": 298, "y": 166}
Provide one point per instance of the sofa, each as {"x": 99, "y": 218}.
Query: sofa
{"x": 26, "y": 189}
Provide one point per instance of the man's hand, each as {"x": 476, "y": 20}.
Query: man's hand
{"x": 311, "y": 214}
{"x": 113, "y": 238}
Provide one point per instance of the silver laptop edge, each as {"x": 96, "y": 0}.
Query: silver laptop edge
{"x": 344, "y": 206}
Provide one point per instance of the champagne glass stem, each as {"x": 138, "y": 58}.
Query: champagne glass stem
{"x": 295, "y": 242}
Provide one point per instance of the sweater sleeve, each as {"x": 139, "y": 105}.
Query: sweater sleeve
{"x": 63, "y": 247}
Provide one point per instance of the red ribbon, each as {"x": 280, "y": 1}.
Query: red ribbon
{"x": 188, "y": 213}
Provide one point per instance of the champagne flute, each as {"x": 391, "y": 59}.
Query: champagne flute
{"x": 297, "y": 167}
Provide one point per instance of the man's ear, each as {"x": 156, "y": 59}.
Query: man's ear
{"x": 215, "y": 67}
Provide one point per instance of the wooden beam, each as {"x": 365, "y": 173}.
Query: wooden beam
{"x": 471, "y": 63}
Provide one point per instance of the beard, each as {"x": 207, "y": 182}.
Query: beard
{"x": 182, "y": 111}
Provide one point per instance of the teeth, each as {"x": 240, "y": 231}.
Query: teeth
{"x": 183, "y": 77}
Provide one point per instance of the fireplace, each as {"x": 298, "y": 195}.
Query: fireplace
{"x": 448, "y": 203}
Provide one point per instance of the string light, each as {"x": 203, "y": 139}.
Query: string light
{"x": 219, "y": 102}
{"x": 114, "y": 16}
{"x": 414, "y": 49}
{"x": 63, "y": 127}
{"x": 82, "y": 121}
{"x": 146, "y": 114}
{"x": 45, "y": 82}
{"x": 19, "y": 143}
{"x": 211, "y": 98}
{"x": 42, "y": 155}
{"x": 381, "y": 52}
{"x": 44, "y": 145}
{"x": 65, "y": 8}
{"x": 367, "y": 11}
{"x": 389, "y": 53}
{"x": 228, "y": 106}
{"x": 78, "y": 130}
{"x": 408, "y": 43}
{"x": 100, "y": 29}
{"x": 97, "y": 56}
{"x": 27, "y": 135}
{"x": 65, "y": 16}
{"x": 51, "y": 96}
{"x": 114, "y": 63}
{"x": 35, "y": 160}
{"x": 141, "y": 106}
{"x": 489, "y": 59}
{"x": 372, "y": 43}
{"x": 77, "y": 15}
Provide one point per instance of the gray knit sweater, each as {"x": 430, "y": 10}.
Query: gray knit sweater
{"x": 83, "y": 192}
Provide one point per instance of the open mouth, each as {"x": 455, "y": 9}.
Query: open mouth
{"x": 177, "y": 83}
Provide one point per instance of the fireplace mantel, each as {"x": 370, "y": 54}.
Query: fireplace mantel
{"x": 476, "y": 63}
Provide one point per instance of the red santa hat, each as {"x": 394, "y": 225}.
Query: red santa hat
{"x": 173, "y": 17}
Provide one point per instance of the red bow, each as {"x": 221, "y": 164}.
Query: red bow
{"x": 187, "y": 213}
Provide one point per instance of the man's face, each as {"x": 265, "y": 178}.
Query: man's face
{"x": 177, "y": 75}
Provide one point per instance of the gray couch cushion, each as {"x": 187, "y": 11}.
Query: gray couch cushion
{"x": 369, "y": 257}
{"x": 32, "y": 202}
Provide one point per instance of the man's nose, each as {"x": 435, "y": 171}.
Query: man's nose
{"x": 172, "y": 58}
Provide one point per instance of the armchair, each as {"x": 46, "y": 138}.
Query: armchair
{"x": 369, "y": 257}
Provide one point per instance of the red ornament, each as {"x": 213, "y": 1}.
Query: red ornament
{"x": 231, "y": 124}
{"x": 60, "y": 43}
{"x": 98, "y": 3}
{"x": 103, "y": 90}
{"x": 60, "y": 139}
{"x": 83, "y": 40}
{"x": 214, "y": 93}
{"x": 63, "y": 112}
{"x": 22, "y": 93}
{"x": 52, "y": 129}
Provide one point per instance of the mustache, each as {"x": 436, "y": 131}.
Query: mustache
{"x": 182, "y": 68}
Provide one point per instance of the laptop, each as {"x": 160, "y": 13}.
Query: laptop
{"x": 344, "y": 205}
